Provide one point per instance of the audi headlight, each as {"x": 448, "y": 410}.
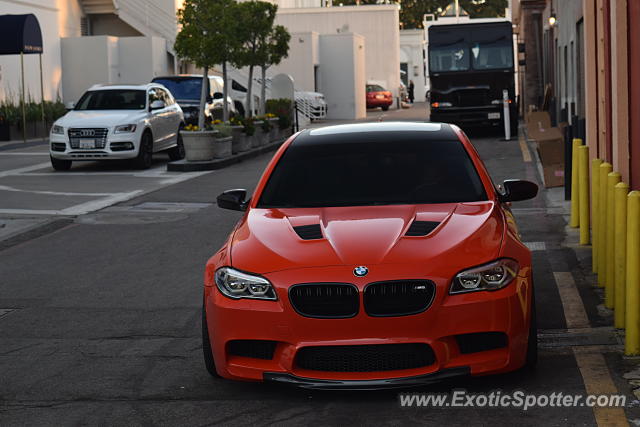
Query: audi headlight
{"x": 58, "y": 130}
{"x": 125, "y": 128}
{"x": 236, "y": 284}
{"x": 488, "y": 277}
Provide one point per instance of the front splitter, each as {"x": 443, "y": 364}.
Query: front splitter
{"x": 320, "y": 384}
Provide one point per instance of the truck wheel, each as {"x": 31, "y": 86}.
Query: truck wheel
{"x": 60, "y": 164}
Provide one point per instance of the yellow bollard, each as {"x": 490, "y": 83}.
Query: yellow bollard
{"x": 632, "y": 317}
{"x": 620, "y": 252}
{"x": 609, "y": 283}
{"x": 595, "y": 198}
{"x": 605, "y": 168}
{"x": 574, "y": 221}
{"x": 583, "y": 192}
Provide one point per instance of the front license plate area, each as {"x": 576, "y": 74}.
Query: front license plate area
{"x": 493, "y": 116}
{"x": 87, "y": 143}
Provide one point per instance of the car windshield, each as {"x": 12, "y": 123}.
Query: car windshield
{"x": 491, "y": 56}
{"x": 453, "y": 57}
{"x": 375, "y": 88}
{"x": 187, "y": 89}
{"x": 112, "y": 99}
{"x": 372, "y": 172}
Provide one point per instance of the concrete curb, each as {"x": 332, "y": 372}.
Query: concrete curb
{"x": 185, "y": 166}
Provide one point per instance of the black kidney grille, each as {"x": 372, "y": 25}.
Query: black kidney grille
{"x": 398, "y": 298}
{"x": 309, "y": 232}
{"x": 421, "y": 228}
{"x": 325, "y": 300}
{"x": 365, "y": 358}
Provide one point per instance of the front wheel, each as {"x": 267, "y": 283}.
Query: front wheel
{"x": 145, "y": 152}
{"x": 209, "y": 363}
{"x": 60, "y": 164}
{"x": 532, "y": 342}
{"x": 177, "y": 152}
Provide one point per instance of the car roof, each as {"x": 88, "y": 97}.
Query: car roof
{"x": 114, "y": 86}
{"x": 185, "y": 76}
{"x": 377, "y": 131}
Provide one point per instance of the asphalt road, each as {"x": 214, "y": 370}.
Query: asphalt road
{"x": 100, "y": 317}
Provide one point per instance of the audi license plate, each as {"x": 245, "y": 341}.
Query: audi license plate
{"x": 493, "y": 116}
{"x": 87, "y": 143}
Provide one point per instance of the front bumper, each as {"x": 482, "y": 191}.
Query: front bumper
{"x": 483, "y": 115}
{"x": 60, "y": 148}
{"x": 505, "y": 311}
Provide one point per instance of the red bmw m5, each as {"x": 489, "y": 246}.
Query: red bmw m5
{"x": 371, "y": 255}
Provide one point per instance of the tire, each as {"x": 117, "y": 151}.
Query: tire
{"x": 177, "y": 152}
{"x": 385, "y": 108}
{"x": 209, "y": 362}
{"x": 60, "y": 164}
{"x": 144, "y": 159}
{"x": 532, "y": 343}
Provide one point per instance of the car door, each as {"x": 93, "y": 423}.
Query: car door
{"x": 155, "y": 119}
{"x": 172, "y": 117}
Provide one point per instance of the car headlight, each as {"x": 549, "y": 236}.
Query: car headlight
{"x": 488, "y": 277}
{"x": 236, "y": 284}
{"x": 125, "y": 128}
{"x": 58, "y": 130}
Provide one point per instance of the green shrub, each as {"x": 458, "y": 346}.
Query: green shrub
{"x": 11, "y": 111}
{"x": 224, "y": 130}
{"x": 283, "y": 109}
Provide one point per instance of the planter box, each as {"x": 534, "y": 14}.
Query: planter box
{"x": 222, "y": 147}
{"x": 241, "y": 142}
{"x": 199, "y": 146}
{"x": 262, "y": 137}
{"x": 274, "y": 133}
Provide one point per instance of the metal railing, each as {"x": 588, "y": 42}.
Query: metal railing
{"x": 147, "y": 12}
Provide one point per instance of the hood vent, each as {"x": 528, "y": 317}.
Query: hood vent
{"x": 309, "y": 232}
{"x": 421, "y": 228}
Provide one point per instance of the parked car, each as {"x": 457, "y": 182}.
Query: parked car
{"x": 377, "y": 96}
{"x": 186, "y": 89}
{"x": 371, "y": 255}
{"x": 118, "y": 122}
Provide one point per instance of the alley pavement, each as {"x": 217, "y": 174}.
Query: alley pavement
{"x": 100, "y": 315}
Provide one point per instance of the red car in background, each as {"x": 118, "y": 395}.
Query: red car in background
{"x": 377, "y": 96}
{"x": 371, "y": 255}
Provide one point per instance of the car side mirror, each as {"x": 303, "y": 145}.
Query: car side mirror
{"x": 516, "y": 190}
{"x": 218, "y": 95}
{"x": 233, "y": 200}
{"x": 70, "y": 106}
{"x": 156, "y": 105}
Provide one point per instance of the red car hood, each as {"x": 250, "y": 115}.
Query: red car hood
{"x": 469, "y": 234}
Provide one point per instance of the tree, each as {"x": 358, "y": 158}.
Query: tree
{"x": 208, "y": 36}
{"x": 257, "y": 19}
{"x": 273, "y": 49}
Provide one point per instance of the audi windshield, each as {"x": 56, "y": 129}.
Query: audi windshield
{"x": 112, "y": 99}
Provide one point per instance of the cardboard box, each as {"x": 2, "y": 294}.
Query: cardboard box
{"x": 551, "y": 151}
{"x": 539, "y": 119}
{"x": 553, "y": 175}
{"x": 539, "y": 134}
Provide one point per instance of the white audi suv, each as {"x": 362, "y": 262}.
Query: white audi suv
{"x": 118, "y": 122}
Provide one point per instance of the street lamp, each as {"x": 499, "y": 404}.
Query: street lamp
{"x": 552, "y": 19}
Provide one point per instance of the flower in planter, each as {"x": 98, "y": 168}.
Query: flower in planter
{"x": 191, "y": 128}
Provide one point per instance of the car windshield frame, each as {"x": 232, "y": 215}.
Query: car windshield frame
{"x": 332, "y": 167}
{"x": 88, "y": 100}
{"x": 375, "y": 88}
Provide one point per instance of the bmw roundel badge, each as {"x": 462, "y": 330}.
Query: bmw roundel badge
{"x": 360, "y": 271}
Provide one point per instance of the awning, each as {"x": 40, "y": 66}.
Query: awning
{"x": 20, "y": 34}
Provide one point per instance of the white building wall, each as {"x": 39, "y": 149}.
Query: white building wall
{"x": 57, "y": 18}
{"x": 341, "y": 79}
{"x": 378, "y": 24}
{"x": 302, "y": 59}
